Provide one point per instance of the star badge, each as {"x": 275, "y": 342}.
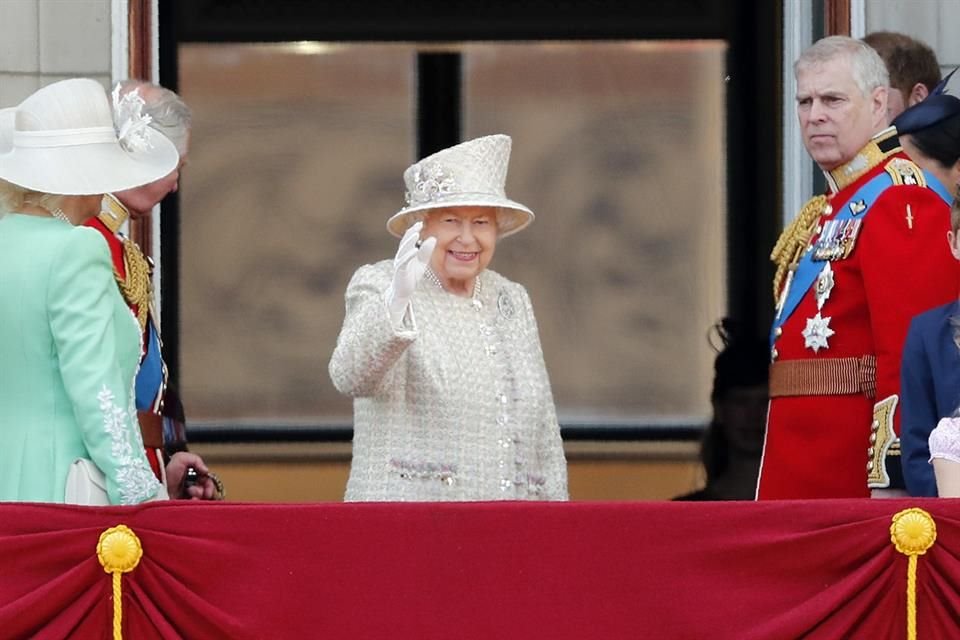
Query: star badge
{"x": 817, "y": 331}
{"x": 824, "y": 285}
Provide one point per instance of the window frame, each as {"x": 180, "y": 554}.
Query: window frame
{"x": 751, "y": 29}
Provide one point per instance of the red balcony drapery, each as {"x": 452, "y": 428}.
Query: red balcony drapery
{"x": 802, "y": 569}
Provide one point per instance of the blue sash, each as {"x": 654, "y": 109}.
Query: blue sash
{"x": 938, "y": 188}
{"x": 150, "y": 377}
{"x": 808, "y": 270}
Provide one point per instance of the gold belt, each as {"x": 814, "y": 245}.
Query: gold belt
{"x": 824, "y": 377}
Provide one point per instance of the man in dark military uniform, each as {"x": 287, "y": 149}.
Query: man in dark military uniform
{"x": 853, "y": 268}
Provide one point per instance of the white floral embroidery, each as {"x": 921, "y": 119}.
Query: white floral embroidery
{"x": 135, "y": 480}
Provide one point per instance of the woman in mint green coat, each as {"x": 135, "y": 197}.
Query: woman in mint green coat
{"x": 69, "y": 345}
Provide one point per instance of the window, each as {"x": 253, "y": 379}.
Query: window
{"x": 296, "y": 163}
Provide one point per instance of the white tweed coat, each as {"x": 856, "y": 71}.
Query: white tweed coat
{"x": 456, "y": 404}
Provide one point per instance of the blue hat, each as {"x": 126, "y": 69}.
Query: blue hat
{"x": 942, "y": 103}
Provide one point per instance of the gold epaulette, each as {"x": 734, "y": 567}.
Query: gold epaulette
{"x": 903, "y": 171}
{"x": 137, "y": 287}
{"x": 112, "y": 213}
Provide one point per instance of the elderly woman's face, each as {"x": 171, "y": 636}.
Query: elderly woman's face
{"x": 466, "y": 238}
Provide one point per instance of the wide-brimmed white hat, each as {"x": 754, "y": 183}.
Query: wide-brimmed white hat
{"x": 6, "y": 128}
{"x": 66, "y": 141}
{"x": 470, "y": 174}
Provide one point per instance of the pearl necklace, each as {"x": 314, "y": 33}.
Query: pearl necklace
{"x": 60, "y": 215}
{"x": 474, "y": 299}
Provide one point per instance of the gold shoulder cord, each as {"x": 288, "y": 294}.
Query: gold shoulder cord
{"x": 136, "y": 287}
{"x": 794, "y": 239}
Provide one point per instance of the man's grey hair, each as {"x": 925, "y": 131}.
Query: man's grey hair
{"x": 869, "y": 70}
{"x": 170, "y": 114}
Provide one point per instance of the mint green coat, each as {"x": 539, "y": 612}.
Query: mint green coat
{"x": 69, "y": 348}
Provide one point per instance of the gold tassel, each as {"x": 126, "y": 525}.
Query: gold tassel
{"x": 137, "y": 287}
{"x": 913, "y": 532}
{"x": 793, "y": 241}
{"x": 119, "y": 551}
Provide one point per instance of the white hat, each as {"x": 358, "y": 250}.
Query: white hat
{"x": 65, "y": 142}
{"x": 470, "y": 174}
{"x": 6, "y": 128}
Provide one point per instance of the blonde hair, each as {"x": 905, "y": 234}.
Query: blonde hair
{"x": 14, "y": 198}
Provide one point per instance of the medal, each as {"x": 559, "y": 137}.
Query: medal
{"x": 824, "y": 285}
{"x": 837, "y": 240}
{"x": 816, "y": 333}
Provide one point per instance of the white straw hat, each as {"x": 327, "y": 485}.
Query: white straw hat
{"x": 65, "y": 142}
{"x": 470, "y": 174}
{"x": 6, "y": 128}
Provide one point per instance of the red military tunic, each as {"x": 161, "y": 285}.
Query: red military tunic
{"x": 825, "y": 417}
{"x": 138, "y": 296}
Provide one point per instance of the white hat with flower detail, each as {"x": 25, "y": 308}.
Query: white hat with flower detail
{"x": 470, "y": 174}
{"x": 66, "y": 140}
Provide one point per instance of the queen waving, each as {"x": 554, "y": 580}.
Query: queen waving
{"x": 442, "y": 356}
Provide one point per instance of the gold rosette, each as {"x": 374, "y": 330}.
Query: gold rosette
{"x": 912, "y": 532}
{"x": 119, "y": 551}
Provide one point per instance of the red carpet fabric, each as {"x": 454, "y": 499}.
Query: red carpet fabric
{"x": 770, "y": 570}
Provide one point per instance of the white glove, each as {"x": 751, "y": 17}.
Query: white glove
{"x": 409, "y": 265}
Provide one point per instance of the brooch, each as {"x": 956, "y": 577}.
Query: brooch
{"x": 505, "y": 305}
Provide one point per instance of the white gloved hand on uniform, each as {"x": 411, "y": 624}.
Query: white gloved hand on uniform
{"x": 409, "y": 265}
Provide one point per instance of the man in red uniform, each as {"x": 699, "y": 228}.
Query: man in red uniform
{"x": 853, "y": 268}
{"x": 158, "y": 409}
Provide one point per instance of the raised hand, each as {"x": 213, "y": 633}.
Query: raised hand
{"x": 409, "y": 265}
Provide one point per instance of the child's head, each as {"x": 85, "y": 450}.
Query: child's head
{"x": 955, "y": 212}
{"x": 953, "y": 236}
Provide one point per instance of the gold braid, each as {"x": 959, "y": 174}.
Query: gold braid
{"x": 136, "y": 288}
{"x": 794, "y": 239}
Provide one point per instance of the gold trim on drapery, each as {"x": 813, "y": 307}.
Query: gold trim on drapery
{"x": 119, "y": 551}
{"x": 912, "y": 532}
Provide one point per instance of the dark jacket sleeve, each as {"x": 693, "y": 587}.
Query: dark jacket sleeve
{"x": 918, "y": 414}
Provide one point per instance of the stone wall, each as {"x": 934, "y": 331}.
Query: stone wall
{"x": 42, "y": 41}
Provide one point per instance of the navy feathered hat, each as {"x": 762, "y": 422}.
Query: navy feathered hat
{"x": 942, "y": 103}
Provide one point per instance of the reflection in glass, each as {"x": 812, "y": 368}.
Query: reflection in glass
{"x": 296, "y": 164}
{"x": 619, "y": 149}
